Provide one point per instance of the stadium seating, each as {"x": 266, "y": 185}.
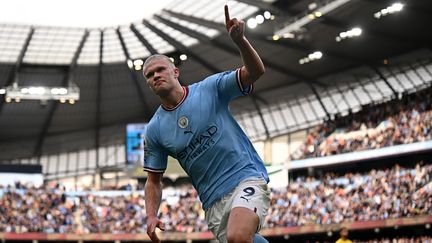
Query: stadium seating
{"x": 377, "y": 195}
{"x": 399, "y": 121}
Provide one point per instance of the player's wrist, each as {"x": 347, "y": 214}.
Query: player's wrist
{"x": 152, "y": 217}
{"x": 241, "y": 41}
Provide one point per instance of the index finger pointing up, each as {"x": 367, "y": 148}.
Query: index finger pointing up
{"x": 227, "y": 17}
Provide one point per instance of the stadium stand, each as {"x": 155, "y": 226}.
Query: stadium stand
{"x": 343, "y": 116}
{"x": 399, "y": 121}
{"x": 377, "y": 195}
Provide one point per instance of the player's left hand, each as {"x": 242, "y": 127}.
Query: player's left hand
{"x": 234, "y": 27}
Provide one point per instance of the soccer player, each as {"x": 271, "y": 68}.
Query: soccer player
{"x": 194, "y": 125}
{"x": 343, "y": 236}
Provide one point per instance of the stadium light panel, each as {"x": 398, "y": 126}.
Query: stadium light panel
{"x": 259, "y": 19}
{"x": 354, "y": 32}
{"x": 311, "y": 57}
{"x": 138, "y": 62}
{"x": 183, "y": 57}
{"x": 252, "y": 23}
{"x": 18, "y": 93}
{"x": 394, "y": 8}
{"x": 299, "y": 23}
{"x": 130, "y": 63}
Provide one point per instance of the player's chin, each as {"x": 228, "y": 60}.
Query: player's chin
{"x": 161, "y": 91}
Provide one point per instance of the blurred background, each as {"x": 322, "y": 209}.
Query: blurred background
{"x": 342, "y": 117}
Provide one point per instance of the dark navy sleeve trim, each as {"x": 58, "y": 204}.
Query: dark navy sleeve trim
{"x": 153, "y": 170}
{"x": 248, "y": 89}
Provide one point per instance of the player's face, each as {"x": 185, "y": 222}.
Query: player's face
{"x": 344, "y": 233}
{"x": 161, "y": 76}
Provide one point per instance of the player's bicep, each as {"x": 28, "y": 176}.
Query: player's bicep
{"x": 245, "y": 80}
{"x": 155, "y": 158}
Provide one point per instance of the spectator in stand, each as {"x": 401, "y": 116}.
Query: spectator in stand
{"x": 395, "y": 122}
{"x": 331, "y": 199}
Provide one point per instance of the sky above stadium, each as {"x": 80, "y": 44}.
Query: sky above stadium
{"x": 78, "y": 13}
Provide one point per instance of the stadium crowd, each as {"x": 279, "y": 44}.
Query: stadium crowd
{"x": 378, "y": 194}
{"x": 399, "y": 121}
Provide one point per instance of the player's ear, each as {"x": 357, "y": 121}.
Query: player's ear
{"x": 176, "y": 72}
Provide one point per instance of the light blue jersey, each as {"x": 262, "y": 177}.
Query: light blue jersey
{"x": 202, "y": 135}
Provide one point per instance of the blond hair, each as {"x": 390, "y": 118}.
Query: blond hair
{"x": 156, "y": 56}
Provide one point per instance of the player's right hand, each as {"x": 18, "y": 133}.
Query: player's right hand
{"x": 234, "y": 27}
{"x": 152, "y": 224}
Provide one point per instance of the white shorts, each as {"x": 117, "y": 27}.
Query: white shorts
{"x": 251, "y": 193}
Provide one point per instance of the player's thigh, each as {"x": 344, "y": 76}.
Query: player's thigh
{"x": 242, "y": 225}
{"x": 255, "y": 196}
{"x": 250, "y": 202}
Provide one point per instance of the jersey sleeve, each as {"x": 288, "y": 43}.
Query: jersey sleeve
{"x": 155, "y": 158}
{"x": 229, "y": 85}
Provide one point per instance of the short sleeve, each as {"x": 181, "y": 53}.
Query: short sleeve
{"x": 229, "y": 85}
{"x": 155, "y": 158}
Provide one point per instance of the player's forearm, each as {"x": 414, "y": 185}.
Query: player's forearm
{"x": 153, "y": 195}
{"x": 252, "y": 62}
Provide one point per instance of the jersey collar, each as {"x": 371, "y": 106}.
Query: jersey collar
{"x": 185, "y": 94}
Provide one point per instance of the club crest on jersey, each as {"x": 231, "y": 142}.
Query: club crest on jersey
{"x": 183, "y": 122}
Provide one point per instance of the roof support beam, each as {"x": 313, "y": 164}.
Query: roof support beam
{"x": 354, "y": 94}
{"x": 404, "y": 73}
{"x": 333, "y": 101}
{"x": 296, "y": 100}
{"x": 343, "y": 96}
{"x": 284, "y": 120}
{"x": 179, "y": 46}
{"x": 231, "y": 49}
{"x": 99, "y": 99}
{"x": 415, "y": 70}
{"x": 255, "y": 103}
{"x": 14, "y": 74}
{"x": 38, "y": 148}
{"x": 384, "y": 78}
{"x": 254, "y": 125}
{"x": 266, "y": 6}
{"x": 273, "y": 118}
{"x": 135, "y": 79}
{"x": 314, "y": 111}
{"x": 373, "y": 83}
{"x": 140, "y": 37}
{"x": 314, "y": 91}
{"x": 425, "y": 67}
{"x": 283, "y": 42}
{"x": 259, "y": 98}
{"x": 297, "y": 123}
{"x": 361, "y": 85}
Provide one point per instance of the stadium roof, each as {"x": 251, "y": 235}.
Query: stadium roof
{"x": 322, "y": 58}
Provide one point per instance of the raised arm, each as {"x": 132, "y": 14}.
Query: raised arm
{"x": 153, "y": 195}
{"x": 253, "y": 66}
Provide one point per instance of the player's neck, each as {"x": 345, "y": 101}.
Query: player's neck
{"x": 173, "y": 98}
